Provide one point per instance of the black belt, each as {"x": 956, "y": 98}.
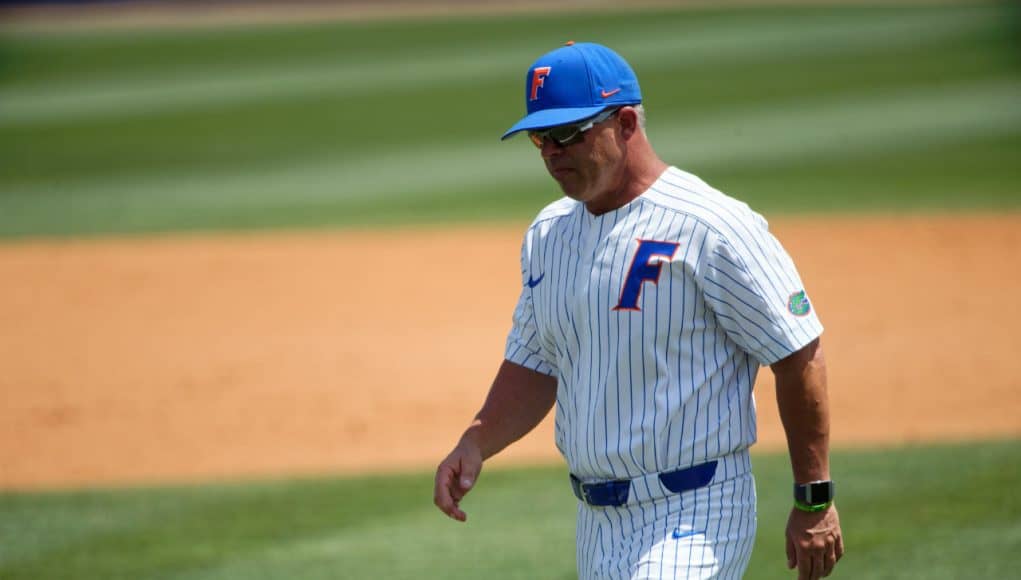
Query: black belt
{"x": 615, "y": 492}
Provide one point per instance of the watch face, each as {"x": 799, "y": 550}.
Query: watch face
{"x": 817, "y": 492}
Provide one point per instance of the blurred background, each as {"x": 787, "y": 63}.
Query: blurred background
{"x": 257, "y": 262}
{"x": 127, "y": 126}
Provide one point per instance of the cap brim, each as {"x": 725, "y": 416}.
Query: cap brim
{"x": 547, "y": 118}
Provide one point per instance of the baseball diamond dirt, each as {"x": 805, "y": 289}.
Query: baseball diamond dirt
{"x": 189, "y": 358}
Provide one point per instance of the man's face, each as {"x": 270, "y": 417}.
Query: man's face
{"x": 588, "y": 170}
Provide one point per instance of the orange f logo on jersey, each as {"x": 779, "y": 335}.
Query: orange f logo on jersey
{"x": 538, "y": 79}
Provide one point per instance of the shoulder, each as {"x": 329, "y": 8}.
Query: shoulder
{"x": 553, "y": 215}
{"x": 556, "y": 210}
{"x": 551, "y": 220}
{"x": 686, "y": 194}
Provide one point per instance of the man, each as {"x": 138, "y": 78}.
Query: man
{"x": 648, "y": 302}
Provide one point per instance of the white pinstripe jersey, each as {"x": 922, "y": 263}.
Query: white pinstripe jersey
{"x": 662, "y": 379}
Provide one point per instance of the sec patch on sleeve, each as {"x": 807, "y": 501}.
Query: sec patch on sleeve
{"x": 798, "y": 304}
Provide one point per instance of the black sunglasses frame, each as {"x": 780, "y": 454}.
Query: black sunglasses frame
{"x": 567, "y": 135}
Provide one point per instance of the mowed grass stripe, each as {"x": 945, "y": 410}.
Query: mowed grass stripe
{"x": 310, "y": 127}
{"x": 881, "y": 121}
{"x": 727, "y": 92}
{"x": 919, "y": 512}
{"x": 803, "y": 130}
{"x": 653, "y": 47}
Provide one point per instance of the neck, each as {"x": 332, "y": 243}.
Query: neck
{"x": 642, "y": 167}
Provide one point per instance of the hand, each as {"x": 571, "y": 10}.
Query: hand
{"x": 455, "y": 477}
{"x": 814, "y": 542}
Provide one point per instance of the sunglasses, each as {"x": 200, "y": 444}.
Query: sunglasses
{"x": 564, "y": 135}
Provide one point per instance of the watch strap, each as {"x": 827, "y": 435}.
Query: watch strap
{"x": 812, "y": 508}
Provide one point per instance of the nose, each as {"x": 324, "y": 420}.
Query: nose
{"x": 550, "y": 148}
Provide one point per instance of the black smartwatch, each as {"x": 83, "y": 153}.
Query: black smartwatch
{"x": 814, "y": 496}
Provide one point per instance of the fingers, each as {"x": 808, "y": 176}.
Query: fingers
{"x": 833, "y": 554}
{"x": 814, "y": 543}
{"x": 469, "y": 474}
{"x": 811, "y": 567}
{"x": 829, "y": 559}
{"x": 455, "y": 477}
{"x": 817, "y": 566}
{"x": 814, "y": 562}
{"x": 463, "y": 478}
{"x": 792, "y": 554}
{"x": 447, "y": 494}
{"x": 805, "y": 567}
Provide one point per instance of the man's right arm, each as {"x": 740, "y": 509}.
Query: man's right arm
{"x": 518, "y": 400}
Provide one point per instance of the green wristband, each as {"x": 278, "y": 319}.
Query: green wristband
{"x": 812, "y": 508}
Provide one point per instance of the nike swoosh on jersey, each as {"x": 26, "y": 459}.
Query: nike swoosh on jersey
{"x": 681, "y": 533}
{"x": 533, "y": 282}
{"x": 608, "y": 94}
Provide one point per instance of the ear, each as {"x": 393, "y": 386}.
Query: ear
{"x": 628, "y": 119}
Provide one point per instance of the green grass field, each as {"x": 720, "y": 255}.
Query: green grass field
{"x": 809, "y": 109}
{"x": 937, "y": 512}
{"x": 805, "y": 109}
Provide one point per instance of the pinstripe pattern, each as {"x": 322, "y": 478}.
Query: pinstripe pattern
{"x": 705, "y": 533}
{"x": 668, "y": 385}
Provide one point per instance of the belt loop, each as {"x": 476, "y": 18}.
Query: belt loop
{"x": 576, "y": 487}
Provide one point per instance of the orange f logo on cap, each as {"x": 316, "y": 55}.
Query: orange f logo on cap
{"x": 538, "y": 79}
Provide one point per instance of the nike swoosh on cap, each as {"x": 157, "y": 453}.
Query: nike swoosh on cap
{"x": 532, "y": 283}
{"x": 608, "y": 94}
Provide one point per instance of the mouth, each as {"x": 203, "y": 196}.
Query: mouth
{"x": 560, "y": 172}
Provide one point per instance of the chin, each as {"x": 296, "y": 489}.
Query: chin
{"x": 572, "y": 194}
{"x": 571, "y": 190}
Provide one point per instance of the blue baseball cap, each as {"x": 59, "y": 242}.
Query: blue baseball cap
{"x": 575, "y": 82}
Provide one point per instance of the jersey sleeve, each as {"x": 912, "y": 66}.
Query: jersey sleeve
{"x": 750, "y": 283}
{"x": 524, "y": 346}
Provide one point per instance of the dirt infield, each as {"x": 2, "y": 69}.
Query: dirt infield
{"x": 180, "y": 359}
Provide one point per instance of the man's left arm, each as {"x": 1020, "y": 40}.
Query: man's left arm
{"x": 814, "y": 540}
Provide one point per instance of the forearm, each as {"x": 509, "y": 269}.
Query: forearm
{"x": 801, "y": 396}
{"x": 517, "y": 401}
